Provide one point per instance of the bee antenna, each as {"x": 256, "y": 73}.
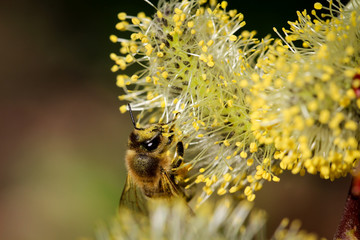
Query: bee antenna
{"x": 132, "y": 117}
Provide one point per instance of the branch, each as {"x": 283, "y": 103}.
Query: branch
{"x": 349, "y": 227}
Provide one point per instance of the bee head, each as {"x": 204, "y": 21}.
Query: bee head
{"x": 147, "y": 139}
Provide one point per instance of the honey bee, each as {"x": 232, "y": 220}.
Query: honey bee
{"x": 151, "y": 172}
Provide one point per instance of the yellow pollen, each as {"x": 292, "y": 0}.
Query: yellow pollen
{"x": 113, "y": 38}
{"x": 232, "y": 13}
{"x": 243, "y": 154}
{"x": 208, "y": 190}
{"x": 214, "y": 178}
{"x": 210, "y": 63}
{"x": 352, "y": 142}
{"x": 351, "y": 125}
{"x": 253, "y": 147}
{"x": 349, "y": 50}
{"x": 155, "y": 79}
{"x": 232, "y": 38}
{"x": 123, "y": 109}
{"x": 224, "y": 4}
{"x": 159, "y": 14}
{"x": 331, "y": 36}
{"x": 312, "y": 106}
{"x": 247, "y": 191}
{"x": 129, "y": 58}
{"x": 251, "y": 197}
{"x": 120, "y": 81}
{"x": 176, "y": 18}
{"x": 276, "y": 179}
{"x": 134, "y": 78}
{"x": 113, "y": 56}
{"x": 178, "y": 11}
{"x": 122, "y": 16}
{"x": 324, "y": 116}
{"x": 200, "y": 178}
{"x": 141, "y": 15}
{"x": 135, "y": 21}
{"x": 210, "y": 43}
{"x": 203, "y": 58}
{"x": 165, "y": 74}
{"x": 227, "y": 177}
{"x": 233, "y": 189}
{"x": 244, "y": 83}
{"x": 250, "y": 178}
{"x": 121, "y": 26}
{"x": 148, "y": 79}
{"x": 221, "y": 191}
{"x": 114, "y": 68}
{"x": 318, "y": 6}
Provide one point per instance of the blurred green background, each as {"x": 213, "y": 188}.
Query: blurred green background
{"x": 63, "y": 139}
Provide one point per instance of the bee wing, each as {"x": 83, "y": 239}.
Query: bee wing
{"x": 171, "y": 190}
{"x": 168, "y": 186}
{"x": 133, "y": 198}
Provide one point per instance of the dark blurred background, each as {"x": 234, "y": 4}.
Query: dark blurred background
{"x": 63, "y": 139}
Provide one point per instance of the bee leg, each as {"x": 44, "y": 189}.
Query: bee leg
{"x": 171, "y": 137}
{"x": 179, "y": 154}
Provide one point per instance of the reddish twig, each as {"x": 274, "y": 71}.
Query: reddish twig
{"x": 349, "y": 227}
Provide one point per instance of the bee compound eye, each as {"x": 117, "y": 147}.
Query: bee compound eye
{"x": 152, "y": 144}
